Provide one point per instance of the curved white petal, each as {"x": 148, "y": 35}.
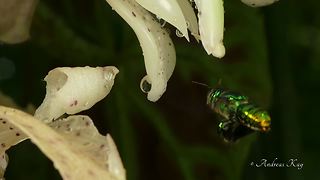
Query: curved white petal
{"x": 3, "y": 164}
{"x": 190, "y": 17}
{"x": 71, "y": 90}
{"x": 114, "y": 161}
{"x": 211, "y": 26}
{"x": 74, "y": 145}
{"x": 158, "y": 50}
{"x": 169, "y": 10}
{"x": 82, "y": 134}
{"x": 258, "y": 3}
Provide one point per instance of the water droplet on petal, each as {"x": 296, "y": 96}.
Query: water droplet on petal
{"x": 178, "y": 33}
{"x": 162, "y": 22}
{"x": 145, "y": 85}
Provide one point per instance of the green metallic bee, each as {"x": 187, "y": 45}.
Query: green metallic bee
{"x": 239, "y": 116}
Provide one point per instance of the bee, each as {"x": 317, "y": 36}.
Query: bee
{"x": 240, "y": 117}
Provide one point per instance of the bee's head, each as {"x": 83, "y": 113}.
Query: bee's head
{"x": 212, "y": 96}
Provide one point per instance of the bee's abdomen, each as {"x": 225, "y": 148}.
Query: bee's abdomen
{"x": 251, "y": 116}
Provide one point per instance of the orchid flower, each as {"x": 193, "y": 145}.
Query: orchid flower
{"x": 74, "y": 144}
{"x": 207, "y": 26}
{"x": 157, "y": 47}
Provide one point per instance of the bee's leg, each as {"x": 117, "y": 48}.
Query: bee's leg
{"x": 233, "y": 117}
{"x": 242, "y": 131}
{"x": 225, "y": 125}
{"x": 239, "y": 130}
{"x": 226, "y": 129}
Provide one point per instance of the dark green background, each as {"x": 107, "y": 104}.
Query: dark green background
{"x": 273, "y": 56}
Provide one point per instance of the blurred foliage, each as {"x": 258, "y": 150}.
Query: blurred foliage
{"x": 15, "y": 21}
{"x": 272, "y": 56}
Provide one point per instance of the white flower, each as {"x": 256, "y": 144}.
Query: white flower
{"x": 158, "y": 49}
{"x": 74, "y": 144}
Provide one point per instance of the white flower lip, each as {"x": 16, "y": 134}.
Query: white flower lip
{"x": 71, "y": 90}
{"x": 158, "y": 50}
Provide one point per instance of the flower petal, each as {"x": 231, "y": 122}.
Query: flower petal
{"x": 158, "y": 50}
{"x": 114, "y": 161}
{"x": 3, "y": 164}
{"x": 190, "y": 17}
{"x": 76, "y": 156}
{"x": 211, "y": 26}
{"x": 81, "y": 133}
{"x": 9, "y": 135}
{"x": 71, "y": 90}
{"x": 169, "y": 10}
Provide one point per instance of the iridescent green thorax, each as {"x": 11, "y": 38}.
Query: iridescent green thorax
{"x": 225, "y": 102}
